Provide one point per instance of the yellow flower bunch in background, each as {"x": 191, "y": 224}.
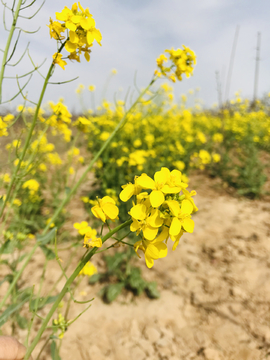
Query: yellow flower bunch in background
{"x": 82, "y": 32}
{"x": 4, "y": 124}
{"x": 162, "y": 212}
{"x": 182, "y": 62}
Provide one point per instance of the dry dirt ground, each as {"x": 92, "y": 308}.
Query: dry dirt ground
{"x": 215, "y": 292}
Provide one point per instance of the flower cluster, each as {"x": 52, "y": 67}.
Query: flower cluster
{"x": 60, "y": 120}
{"x": 4, "y": 124}
{"x": 60, "y": 324}
{"x": 105, "y": 209}
{"x": 32, "y": 185}
{"x": 82, "y": 32}
{"x": 162, "y": 212}
{"x": 182, "y": 62}
{"x": 90, "y": 235}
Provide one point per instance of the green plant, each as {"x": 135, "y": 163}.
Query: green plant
{"x": 120, "y": 275}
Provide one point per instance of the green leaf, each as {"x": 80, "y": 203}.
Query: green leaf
{"x": 112, "y": 291}
{"x": 135, "y": 281}
{"x": 11, "y": 309}
{"x": 94, "y": 278}
{"x": 8, "y": 278}
{"x": 8, "y": 247}
{"x": 50, "y": 255}
{"x": 44, "y": 239}
{"x": 151, "y": 290}
{"x": 114, "y": 261}
{"x": 22, "y": 321}
{"x": 54, "y": 351}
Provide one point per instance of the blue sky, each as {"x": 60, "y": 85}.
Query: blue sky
{"x": 136, "y": 32}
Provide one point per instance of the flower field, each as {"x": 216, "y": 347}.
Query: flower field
{"x": 143, "y": 221}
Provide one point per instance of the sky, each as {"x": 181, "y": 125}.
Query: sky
{"x": 134, "y": 34}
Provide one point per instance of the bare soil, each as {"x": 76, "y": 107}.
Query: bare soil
{"x": 215, "y": 292}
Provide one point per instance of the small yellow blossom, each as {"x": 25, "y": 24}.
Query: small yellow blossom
{"x": 89, "y": 269}
{"x": 91, "y": 88}
{"x": 105, "y": 209}
{"x": 57, "y": 59}
{"x": 91, "y": 240}
{"x": 82, "y": 227}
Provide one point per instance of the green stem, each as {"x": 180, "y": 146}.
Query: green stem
{"x": 10, "y": 36}
{"x": 67, "y": 285}
{"x": 43, "y": 347}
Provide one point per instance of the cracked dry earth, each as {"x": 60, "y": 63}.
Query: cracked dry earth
{"x": 215, "y": 293}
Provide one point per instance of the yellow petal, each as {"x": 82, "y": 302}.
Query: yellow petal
{"x": 70, "y": 25}
{"x": 98, "y": 36}
{"x": 139, "y": 211}
{"x": 73, "y": 37}
{"x": 95, "y": 242}
{"x": 146, "y": 182}
{"x": 86, "y": 24}
{"x": 90, "y": 37}
{"x": 106, "y": 199}
{"x": 176, "y": 239}
{"x": 162, "y": 176}
{"x": 87, "y": 56}
{"x": 171, "y": 190}
{"x": 149, "y": 262}
{"x": 162, "y": 249}
{"x": 135, "y": 225}
{"x": 77, "y": 225}
{"x": 175, "y": 227}
{"x": 150, "y": 233}
{"x": 152, "y": 252}
{"x": 98, "y": 213}
{"x": 163, "y": 235}
{"x": 111, "y": 210}
{"x": 155, "y": 220}
{"x": 156, "y": 198}
{"x": 127, "y": 192}
{"x": 186, "y": 207}
{"x": 75, "y": 19}
{"x": 70, "y": 47}
{"x": 188, "y": 225}
{"x": 174, "y": 207}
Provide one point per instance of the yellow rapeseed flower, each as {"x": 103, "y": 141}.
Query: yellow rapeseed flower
{"x": 89, "y": 269}
{"x": 57, "y": 59}
{"x": 105, "y": 209}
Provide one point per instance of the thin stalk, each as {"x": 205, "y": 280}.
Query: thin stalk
{"x": 67, "y": 285}
{"x": 43, "y": 347}
{"x": 229, "y": 75}
{"x": 256, "y": 78}
{"x": 5, "y": 55}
